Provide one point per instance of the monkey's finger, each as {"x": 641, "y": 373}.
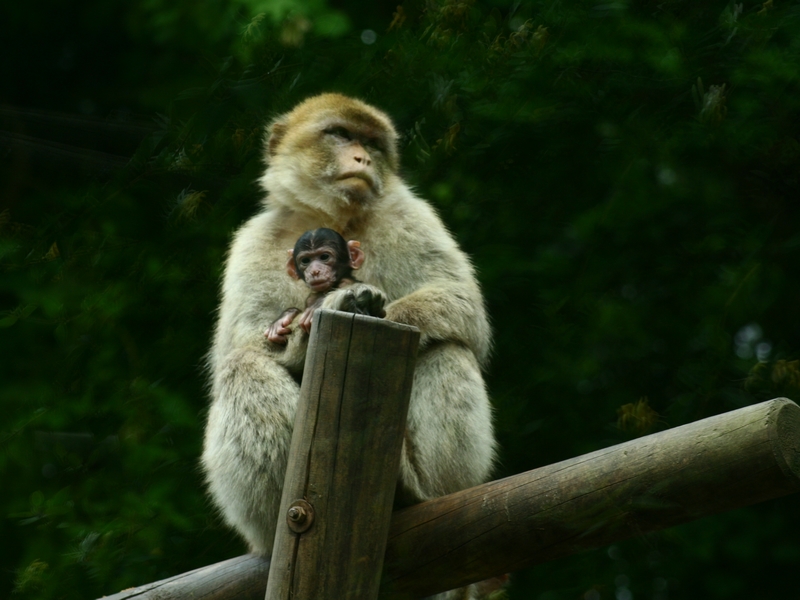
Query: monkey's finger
{"x": 275, "y": 337}
{"x": 376, "y": 307}
{"x": 306, "y": 325}
{"x": 372, "y": 303}
{"x": 305, "y": 321}
{"x": 348, "y": 302}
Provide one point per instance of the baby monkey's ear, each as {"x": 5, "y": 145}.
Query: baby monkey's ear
{"x": 356, "y": 254}
{"x": 291, "y": 268}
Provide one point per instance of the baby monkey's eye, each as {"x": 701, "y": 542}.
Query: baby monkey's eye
{"x": 325, "y": 256}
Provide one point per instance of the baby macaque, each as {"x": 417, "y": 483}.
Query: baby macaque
{"x": 325, "y": 262}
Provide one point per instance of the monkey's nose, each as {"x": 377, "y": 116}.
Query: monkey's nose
{"x": 363, "y": 159}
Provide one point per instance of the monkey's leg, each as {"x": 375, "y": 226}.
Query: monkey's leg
{"x": 247, "y": 443}
{"x": 449, "y": 444}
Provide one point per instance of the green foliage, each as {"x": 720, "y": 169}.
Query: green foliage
{"x": 625, "y": 176}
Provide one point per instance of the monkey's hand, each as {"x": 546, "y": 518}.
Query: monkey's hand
{"x": 304, "y": 322}
{"x": 359, "y": 298}
{"x": 277, "y": 332}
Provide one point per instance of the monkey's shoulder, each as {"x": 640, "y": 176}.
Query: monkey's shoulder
{"x": 263, "y": 239}
{"x": 401, "y": 203}
{"x": 409, "y": 228}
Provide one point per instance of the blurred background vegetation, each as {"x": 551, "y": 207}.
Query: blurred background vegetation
{"x": 624, "y": 173}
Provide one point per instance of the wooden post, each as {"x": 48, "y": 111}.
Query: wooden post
{"x": 732, "y": 460}
{"x": 344, "y": 458}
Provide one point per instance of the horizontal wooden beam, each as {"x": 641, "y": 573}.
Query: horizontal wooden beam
{"x": 724, "y": 462}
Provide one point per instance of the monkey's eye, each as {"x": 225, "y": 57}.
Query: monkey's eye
{"x": 325, "y": 256}
{"x": 304, "y": 261}
{"x": 339, "y": 132}
{"x": 374, "y": 144}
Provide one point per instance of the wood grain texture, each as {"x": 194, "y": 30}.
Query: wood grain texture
{"x": 724, "y": 462}
{"x": 728, "y": 461}
{"x": 344, "y": 457}
{"x": 240, "y": 578}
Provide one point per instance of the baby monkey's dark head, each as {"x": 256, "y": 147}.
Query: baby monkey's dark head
{"x": 323, "y": 259}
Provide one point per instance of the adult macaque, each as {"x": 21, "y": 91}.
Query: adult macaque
{"x": 324, "y": 261}
{"x": 332, "y": 162}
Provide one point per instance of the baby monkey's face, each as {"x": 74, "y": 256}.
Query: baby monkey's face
{"x": 321, "y": 268}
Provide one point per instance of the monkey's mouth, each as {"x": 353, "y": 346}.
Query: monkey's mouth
{"x": 357, "y": 175}
{"x": 319, "y": 285}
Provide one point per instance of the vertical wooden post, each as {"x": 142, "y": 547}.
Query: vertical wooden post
{"x": 344, "y": 458}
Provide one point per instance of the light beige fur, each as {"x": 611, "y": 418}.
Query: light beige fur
{"x": 411, "y": 259}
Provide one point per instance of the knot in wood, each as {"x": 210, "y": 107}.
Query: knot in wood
{"x": 300, "y": 516}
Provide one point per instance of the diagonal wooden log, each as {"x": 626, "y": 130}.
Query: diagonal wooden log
{"x": 240, "y": 578}
{"x": 724, "y": 462}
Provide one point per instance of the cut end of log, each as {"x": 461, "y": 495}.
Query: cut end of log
{"x": 324, "y": 313}
{"x": 786, "y": 443}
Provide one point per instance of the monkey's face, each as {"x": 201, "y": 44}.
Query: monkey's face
{"x": 320, "y": 268}
{"x": 357, "y": 166}
{"x": 331, "y": 148}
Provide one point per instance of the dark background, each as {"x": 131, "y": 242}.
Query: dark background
{"x": 624, "y": 174}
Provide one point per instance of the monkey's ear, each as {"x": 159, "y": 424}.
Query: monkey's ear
{"x": 277, "y": 131}
{"x": 356, "y": 254}
{"x": 290, "y": 267}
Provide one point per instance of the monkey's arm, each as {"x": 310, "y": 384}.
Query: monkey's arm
{"x": 255, "y": 295}
{"x": 446, "y": 311}
{"x": 279, "y": 337}
{"x": 412, "y": 257}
